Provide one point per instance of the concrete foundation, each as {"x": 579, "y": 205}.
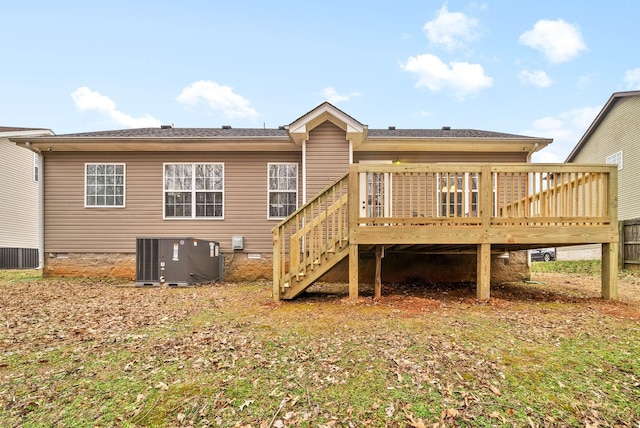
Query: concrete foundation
{"x": 111, "y": 265}
{"x": 239, "y": 266}
{"x": 432, "y": 267}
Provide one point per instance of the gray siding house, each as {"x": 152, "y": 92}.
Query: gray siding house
{"x": 613, "y": 138}
{"x": 19, "y": 210}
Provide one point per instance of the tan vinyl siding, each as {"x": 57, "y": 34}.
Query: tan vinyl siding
{"x": 327, "y": 157}
{"x": 619, "y": 131}
{"x": 71, "y": 228}
{"x": 439, "y": 157}
{"x": 19, "y": 197}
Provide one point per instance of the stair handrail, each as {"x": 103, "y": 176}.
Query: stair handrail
{"x": 312, "y": 219}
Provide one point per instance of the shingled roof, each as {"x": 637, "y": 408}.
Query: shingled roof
{"x": 173, "y": 133}
{"x": 169, "y": 132}
{"x": 439, "y": 133}
{"x": 18, "y": 129}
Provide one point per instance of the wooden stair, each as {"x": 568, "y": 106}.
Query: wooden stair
{"x": 311, "y": 241}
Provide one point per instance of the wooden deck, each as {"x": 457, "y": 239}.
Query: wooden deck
{"x": 456, "y": 208}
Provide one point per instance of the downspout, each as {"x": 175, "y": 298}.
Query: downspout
{"x": 304, "y": 172}
{"x": 532, "y": 151}
{"x": 40, "y": 204}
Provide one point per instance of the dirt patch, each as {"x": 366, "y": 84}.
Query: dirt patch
{"x": 414, "y": 297}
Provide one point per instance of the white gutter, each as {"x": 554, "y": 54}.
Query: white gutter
{"x": 40, "y": 204}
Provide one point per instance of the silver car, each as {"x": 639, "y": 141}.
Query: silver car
{"x": 543, "y": 255}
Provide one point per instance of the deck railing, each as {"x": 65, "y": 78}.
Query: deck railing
{"x": 493, "y": 194}
{"x": 554, "y": 197}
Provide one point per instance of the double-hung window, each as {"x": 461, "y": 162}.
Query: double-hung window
{"x": 104, "y": 185}
{"x": 283, "y": 189}
{"x": 194, "y": 190}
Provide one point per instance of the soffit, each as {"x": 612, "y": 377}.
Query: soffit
{"x": 162, "y": 145}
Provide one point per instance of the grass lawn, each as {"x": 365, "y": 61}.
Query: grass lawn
{"x": 549, "y": 352}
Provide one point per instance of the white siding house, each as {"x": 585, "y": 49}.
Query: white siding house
{"x": 19, "y": 211}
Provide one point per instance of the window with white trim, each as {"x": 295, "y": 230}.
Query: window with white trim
{"x": 104, "y": 185}
{"x": 615, "y": 159}
{"x": 283, "y": 189}
{"x": 194, "y": 190}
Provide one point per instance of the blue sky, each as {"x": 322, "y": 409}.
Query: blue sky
{"x": 539, "y": 68}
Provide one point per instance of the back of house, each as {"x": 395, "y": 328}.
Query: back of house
{"x": 104, "y": 190}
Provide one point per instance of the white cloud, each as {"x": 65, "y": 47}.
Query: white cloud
{"x": 566, "y": 129}
{"x": 558, "y": 40}
{"x": 218, "y": 97}
{"x": 461, "y": 77}
{"x": 451, "y": 29}
{"x": 334, "y": 97}
{"x": 632, "y": 78}
{"x": 86, "y": 100}
{"x": 537, "y": 78}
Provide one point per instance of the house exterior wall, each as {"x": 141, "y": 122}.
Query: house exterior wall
{"x": 19, "y": 196}
{"x": 327, "y": 153}
{"x": 72, "y": 228}
{"x": 618, "y": 131}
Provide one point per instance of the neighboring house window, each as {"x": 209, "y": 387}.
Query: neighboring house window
{"x": 36, "y": 167}
{"x": 104, "y": 185}
{"x": 194, "y": 190}
{"x": 283, "y": 189}
{"x": 458, "y": 194}
{"x": 615, "y": 159}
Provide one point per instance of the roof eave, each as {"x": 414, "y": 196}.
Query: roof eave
{"x": 159, "y": 144}
{"x": 530, "y": 144}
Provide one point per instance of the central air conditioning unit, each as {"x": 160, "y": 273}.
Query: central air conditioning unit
{"x": 177, "y": 261}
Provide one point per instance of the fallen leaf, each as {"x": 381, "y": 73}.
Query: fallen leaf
{"x": 450, "y": 413}
{"x": 390, "y": 410}
{"x": 415, "y": 423}
{"x": 495, "y": 390}
{"x": 161, "y": 386}
{"x": 497, "y": 415}
{"x": 246, "y": 404}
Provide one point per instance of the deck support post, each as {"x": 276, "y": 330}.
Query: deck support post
{"x": 276, "y": 267}
{"x": 377, "y": 289}
{"x": 353, "y": 271}
{"x": 483, "y": 274}
{"x": 610, "y": 271}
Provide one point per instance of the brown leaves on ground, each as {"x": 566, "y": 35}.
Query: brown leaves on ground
{"x": 190, "y": 352}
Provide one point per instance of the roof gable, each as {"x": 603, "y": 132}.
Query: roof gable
{"x": 299, "y": 129}
{"x": 613, "y": 100}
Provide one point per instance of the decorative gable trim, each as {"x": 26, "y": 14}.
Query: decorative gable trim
{"x": 300, "y": 128}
